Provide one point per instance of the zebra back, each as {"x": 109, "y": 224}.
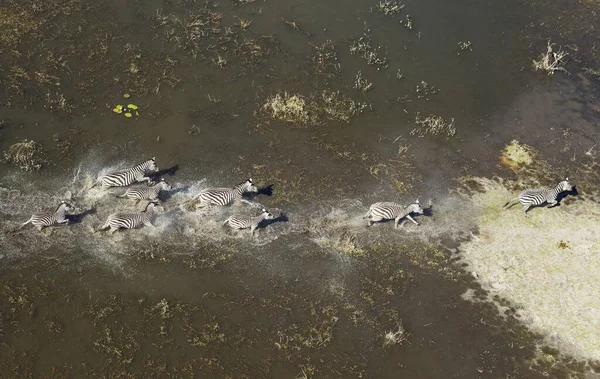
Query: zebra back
{"x": 126, "y": 177}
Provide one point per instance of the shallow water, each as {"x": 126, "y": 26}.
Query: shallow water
{"x": 316, "y": 291}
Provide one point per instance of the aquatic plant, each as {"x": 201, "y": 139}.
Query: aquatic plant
{"x": 389, "y": 8}
{"x": 516, "y": 155}
{"x": 27, "y": 155}
{"x": 374, "y": 56}
{"x": 550, "y": 61}
{"x": 295, "y": 109}
{"x": 433, "y": 125}
{"x": 361, "y": 83}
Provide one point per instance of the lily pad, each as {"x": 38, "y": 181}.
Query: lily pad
{"x": 132, "y": 106}
{"x": 118, "y": 109}
{"x": 126, "y": 95}
{"x": 128, "y": 114}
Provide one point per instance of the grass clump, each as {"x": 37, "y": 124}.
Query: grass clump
{"x": 433, "y": 125}
{"x": 295, "y": 109}
{"x": 395, "y": 336}
{"x": 389, "y": 8}
{"x": 550, "y": 61}
{"x": 27, "y": 155}
{"x": 516, "y": 155}
{"x": 336, "y": 106}
{"x": 325, "y": 60}
{"x": 308, "y": 111}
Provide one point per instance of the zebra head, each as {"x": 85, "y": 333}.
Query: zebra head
{"x": 65, "y": 206}
{"x": 249, "y": 186}
{"x": 267, "y": 215}
{"x": 565, "y": 185}
{"x": 415, "y": 208}
{"x": 151, "y": 165}
{"x": 164, "y": 185}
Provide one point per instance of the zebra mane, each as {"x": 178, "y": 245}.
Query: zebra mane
{"x": 243, "y": 183}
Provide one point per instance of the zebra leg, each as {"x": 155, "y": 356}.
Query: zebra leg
{"x": 396, "y": 221}
{"x": 525, "y": 209}
{"x": 411, "y": 219}
{"x": 252, "y": 229}
{"x": 148, "y": 223}
{"x": 552, "y": 203}
{"x": 112, "y": 230}
{"x": 25, "y": 223}
{"x": 511, "y": 203}
{"x": 145, "y": 179}
{"x": 369, "y": 223}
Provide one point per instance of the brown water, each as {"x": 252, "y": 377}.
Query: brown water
{"x": 316, "y": 291}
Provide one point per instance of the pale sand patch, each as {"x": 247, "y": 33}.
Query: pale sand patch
{"x": 547, "y": 265}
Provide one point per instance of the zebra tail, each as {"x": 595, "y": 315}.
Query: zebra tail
{"x": 367, "y": 215}
{"x": 511, "y": 203}
{"x": 225, "y": 222}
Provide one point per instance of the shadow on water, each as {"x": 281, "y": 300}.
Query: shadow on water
{"x": 166, "y": 195}
{"x": 281, "y": 218}
{"x": 78, "y": 217}
{"x": 171, "y": 171}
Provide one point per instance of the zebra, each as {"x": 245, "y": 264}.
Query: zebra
{"x": 244, "y": 222}
{"x": 535, "y": 197}
{"x": 224, "y": 196}
{"x": 124, "y": 178}
{"x": 119, "y": 220}
{"x": 44, "y": 219}
{"x": 146, "y": 192}
{"x": 388, "y": 210}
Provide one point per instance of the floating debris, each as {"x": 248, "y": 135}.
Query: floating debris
{"x": 465, "y": 46}
{"x": 424, "y": 90}
{"x": 27, "y": 155}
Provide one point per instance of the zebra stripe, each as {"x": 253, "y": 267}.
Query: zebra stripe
{"x": 389, "y": 210}
{"x": 146, "y": 193}
{"x": 224, "y": 196}
{"x": 534, "y": 197}
{"x": 245, "y": 222}
{"x": 120, "y": 220}
{"x": 126, "y": 177}
{"x": 44, "y": 219}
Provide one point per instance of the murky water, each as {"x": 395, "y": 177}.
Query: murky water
{"x": 314, "y": 294}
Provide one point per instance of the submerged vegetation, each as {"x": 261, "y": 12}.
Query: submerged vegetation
{"x": 27, "y": 155}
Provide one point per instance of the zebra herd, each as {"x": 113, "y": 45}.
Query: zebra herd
{"x": 226, "y": 196}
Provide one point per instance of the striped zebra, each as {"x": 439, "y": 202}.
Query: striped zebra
{"x": 44, "y": 219}
{"x": 146, "y": 192}
{"x": 126, "y": 177}
{"x": 223, "y": 196}
{"x": 534, "y": 197}
{"x": 245, "y": 222}
{"x": 388, "y": 210}
{"x": 136, "y": 220}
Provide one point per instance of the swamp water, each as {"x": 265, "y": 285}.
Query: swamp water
{"x": 329, "y": 107}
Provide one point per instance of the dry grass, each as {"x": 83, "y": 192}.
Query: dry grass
{"x": 550, "y": 61}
